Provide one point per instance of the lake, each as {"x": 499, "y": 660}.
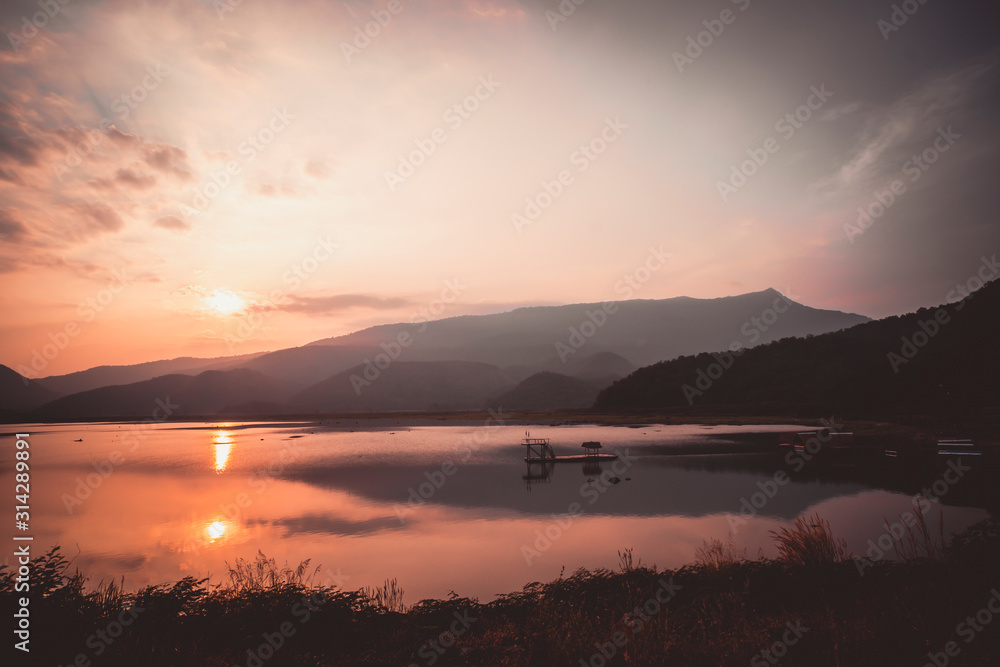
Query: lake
{"x": 440, "y": 508}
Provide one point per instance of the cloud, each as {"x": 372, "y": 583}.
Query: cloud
{"x": 21, "y": 148}
{"x": 120, "y": 562}
{"x": 893, "y": 132}
{"x": 268, "y": 190}
{"x": 326, "y": 305}
{"x": 317, "y": 169}
{"x": 126, "y": 178}
{"x": 168, "y": 159}
{"x": 494, "y": 11}
{"x": 93, "y": 219}
{"x": 173, "y": 223}
{"x": 82, "y": 269}
{"x": 330, "y": 525}
{"x": 10, "y": 228}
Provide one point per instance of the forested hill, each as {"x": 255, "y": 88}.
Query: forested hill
{"x": 937, "y": 360}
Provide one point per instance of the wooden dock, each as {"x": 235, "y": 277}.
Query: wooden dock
{"x": 538, "y": 450}
{"x": 571, "y": 457}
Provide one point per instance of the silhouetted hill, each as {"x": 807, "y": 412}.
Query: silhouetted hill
{"x": 19, "y": 393}
{"x": 405, "y": 385}
{"x": 305, "y": 366}
{"x": 603, "y": 366}
{"x": 203, "y": 394}
{"x": 106, "y": 376}
{"x": 899, "y": 365}
{"x": 581, "y": 340}
{"x": 550, "y": 391}
{"x": 641, "y": 331}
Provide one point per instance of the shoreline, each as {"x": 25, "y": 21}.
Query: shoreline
{"x": 923, "y": 427}
{"x": 722, "y": 609}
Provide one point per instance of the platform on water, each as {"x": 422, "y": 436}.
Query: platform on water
{"x": 538, "y": 450}
{"x": 571, "y": 457}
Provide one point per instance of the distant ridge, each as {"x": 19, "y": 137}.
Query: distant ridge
{"x": 19, "y": 393}
{"x": 524, "y": 340}
{"x": 913, "y": 364}
{"x": 535, "y": 358}
{"x": 405, "y": 385}
{"x": 104, "y": 376}
{"x": 207, "y": 393}
{"x": 641, "y": 331}
{"x": 550, "y": 391}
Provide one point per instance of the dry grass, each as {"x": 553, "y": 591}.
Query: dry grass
{"x": 726, "y": 610}
{"x": 716, "y": 554}
{"x": 386, "y": 598}
{"x": 263, "y": 573}
{"x": 626, "y": 562}
{"x": 918, "y": 542}
{"x": 810, "y": 542}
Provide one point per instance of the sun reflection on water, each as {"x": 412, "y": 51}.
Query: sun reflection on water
{"x": 223, "y": 441}
{"x": 216, "y": 530}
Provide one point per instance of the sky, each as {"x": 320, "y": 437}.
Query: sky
{"x": 219, "y": 177}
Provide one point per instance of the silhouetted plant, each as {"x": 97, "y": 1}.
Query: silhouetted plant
{"x": 387, "y": 597}
{"x": 810, "y": 542}
{"x": 716, "y": 554}
{"x": 917, "y": 542}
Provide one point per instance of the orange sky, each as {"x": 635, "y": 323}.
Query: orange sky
{"x": 179, "y": 179}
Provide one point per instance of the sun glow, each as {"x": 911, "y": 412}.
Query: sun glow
{"x": 223, "y": 302}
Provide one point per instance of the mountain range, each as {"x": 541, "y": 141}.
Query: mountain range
{"x": 545, "y": 357}
{"x": 936, "y": 361}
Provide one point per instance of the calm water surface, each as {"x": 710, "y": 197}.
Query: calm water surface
{"x": 440, "y": 508}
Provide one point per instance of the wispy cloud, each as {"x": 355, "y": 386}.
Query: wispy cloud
{"x": 892, "y": 132}
{"x": 328, "y": 305}
{"x": 173, "y": 223}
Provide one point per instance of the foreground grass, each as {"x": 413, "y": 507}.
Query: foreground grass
{"x": 811, "y": 607}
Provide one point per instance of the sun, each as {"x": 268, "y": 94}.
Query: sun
{"x": 223, "y": 302}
